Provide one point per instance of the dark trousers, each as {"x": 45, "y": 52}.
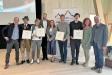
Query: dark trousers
{"x": 10, "y": 44}
{"x": 63, "y": 50}
{"x": 75, "y": 46}
{"x": 99, "y": 59}
{"x": 44, "y": 47}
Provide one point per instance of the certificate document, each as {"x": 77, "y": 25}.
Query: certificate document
{"x": 26, "y": 34}
{"x": 40, "y": 32}
{"x": 78, "y": 34}
{"x": 60, "y": 36}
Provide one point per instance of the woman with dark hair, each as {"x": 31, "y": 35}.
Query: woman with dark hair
{"x": 51, "y": 33}
{"x": 86, "y": 39}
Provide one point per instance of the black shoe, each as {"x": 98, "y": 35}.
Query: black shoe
{"x": 99, "y": 70}
{"x": 93, "y": 68}
{"x": 28, "y": 61}
{"x": 72, "y": 63}
{"x": 47, "y": 59}
{"x": 60, "y": 61}
{"x": 77, "y": 63}
{"x": 22, "y": 62}
{"x": 43, "y": 58}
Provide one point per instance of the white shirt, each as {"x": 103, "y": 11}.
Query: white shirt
{"x": 34, "y": 33}
{"x": 45, "y": 24}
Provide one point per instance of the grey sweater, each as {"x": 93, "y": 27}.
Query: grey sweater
{"x": 64, "y": 27}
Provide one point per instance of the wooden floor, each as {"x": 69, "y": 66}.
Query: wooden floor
{"x": 48, "y": 68}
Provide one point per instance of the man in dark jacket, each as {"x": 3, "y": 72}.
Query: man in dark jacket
{"x": 75, "y": 43}
{"x": 25, "y": 43}
{"x": 12, "y": 34}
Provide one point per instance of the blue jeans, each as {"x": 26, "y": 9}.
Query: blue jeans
{"x": 99, "y": 59}
{"x": 63, "y": 50}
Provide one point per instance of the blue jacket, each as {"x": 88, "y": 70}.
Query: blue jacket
{"x": 100, "y": 35}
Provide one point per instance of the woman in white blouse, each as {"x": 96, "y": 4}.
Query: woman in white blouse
{"x": 36, "y": 41}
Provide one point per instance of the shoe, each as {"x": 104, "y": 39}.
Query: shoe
{"x": 47, "y": 59}
{"x": 72, "y": 63}
{"x": 28, "y": 61}
{"x": 85, "y": 64}
{"x": 93, "y": 68}
{"x": 6, "y": 67}
{"x": 77, "y": 63}
{"x": 43, "y": 58}
{"x": 38, "y": 61}
{"x": 32, "y": 61}
{"x": 22, "y": 62}
{"x": 60, "y": 61}
{"x": 99, "y": 70}
{"x": 64, "y": 62}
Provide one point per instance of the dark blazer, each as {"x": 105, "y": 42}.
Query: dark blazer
{"x": 23, "y": 28}
{"x": 8, "y": 31}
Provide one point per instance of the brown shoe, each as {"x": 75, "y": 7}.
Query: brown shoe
{"x": 6, "y": 67}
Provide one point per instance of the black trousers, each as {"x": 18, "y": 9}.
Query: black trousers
{"x": 44, "y": 47}
{"x": 75, "y": 46}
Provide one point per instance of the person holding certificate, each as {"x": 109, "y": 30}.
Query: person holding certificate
{"x": 44, "y": 23}
{"x": 12, "y": 34}
{"x": 99, "y": 43}
{"x": 51, "y": 33}
{"x": 25, "y": 43}
{"x": 75, "y": 43}
{"x": 87, "y": 34}
{"x": 36, "y": 41}
{"x": 63, "y": 27}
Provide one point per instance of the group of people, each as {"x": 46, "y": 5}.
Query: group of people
{"x": 95, "y": 36}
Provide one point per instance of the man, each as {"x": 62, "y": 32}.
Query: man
{"x": 99, "y": 41}
{"x": 44, "y": 23}
{"x": 63, "y": 27}
{"x": 12, "y": 34}
{"x": 75, "y": 43}
{"x": 25, "y": 43}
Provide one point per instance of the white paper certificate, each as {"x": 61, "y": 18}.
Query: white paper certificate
{"x": 59, "y": 36}
{"x": 78, "y": 34}
{"x": 26, "y": 34}
{"x": 40, "y": 32}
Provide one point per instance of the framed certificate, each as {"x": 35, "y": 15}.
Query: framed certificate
{"x": 26, "y": 34}
{"x": 40, "y": 32}
{"x": 60, "y": 36}
{"x": 78, "y": 34}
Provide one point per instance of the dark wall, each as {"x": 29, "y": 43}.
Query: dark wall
{"x": 38, "y": 15}
{"x": 38, "y": 8}
{"x": 2, "y": 41}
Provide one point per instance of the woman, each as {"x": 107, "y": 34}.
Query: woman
{"x": 51, "y": 33}
{"x": 86, "y": 39}
{"x": 36, "y": 41}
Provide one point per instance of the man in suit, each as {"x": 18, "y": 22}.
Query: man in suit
{"x": 12, "y": 34}
{"x": 99, "y": 42}
{"x": 25, "y": 43}
{"x": 75, "y": 43}
{"x": 44, "y": 23}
